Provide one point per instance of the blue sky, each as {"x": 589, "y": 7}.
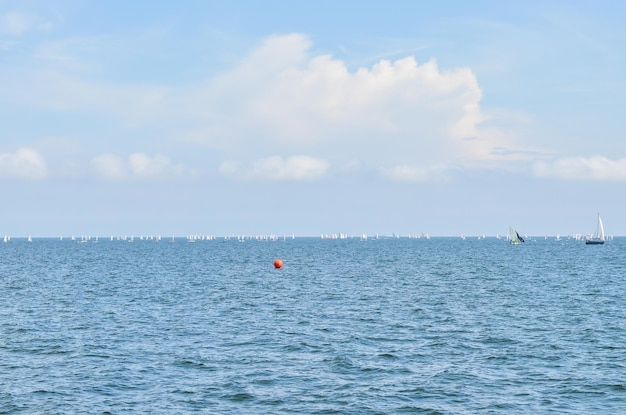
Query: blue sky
{"x": 253, "y": 117}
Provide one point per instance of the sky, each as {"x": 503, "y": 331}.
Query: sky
{"x": 310, "y": 118}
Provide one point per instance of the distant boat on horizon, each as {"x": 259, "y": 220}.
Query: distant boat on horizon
{"x": 598, "y": 237}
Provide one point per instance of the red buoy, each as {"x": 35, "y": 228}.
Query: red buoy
{"x": 278, "y": 263}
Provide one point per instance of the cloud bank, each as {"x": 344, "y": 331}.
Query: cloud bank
{"x": 580, "y": 168}
{"x": 137, "y": 166}
{"x": 410, "y": 121}
{"x": 25, "y": 163}
{"x": 418, "y": 174}
{"x": 276, "y": 168}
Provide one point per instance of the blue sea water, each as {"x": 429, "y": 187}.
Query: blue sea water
{"x": 387, "y": 326}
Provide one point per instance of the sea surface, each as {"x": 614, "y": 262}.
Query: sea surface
{"x": 383, "y": 326}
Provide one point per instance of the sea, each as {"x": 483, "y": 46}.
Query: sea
{"x": 391, "y": 325}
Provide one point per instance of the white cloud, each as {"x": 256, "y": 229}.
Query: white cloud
{"x": 281, "y": 98}
{"x": 137, "y": 166}
{"x": 580, "y": 168}
{"x": 318, "y": 100}
{"x": 277, "y": 169}
{"x": 110, "y": 167}
{"x": 25, "y": 163}
{"x": 18, "y": 24}
{"x": 417, "y": 174}
{"x": 15, "y": 24}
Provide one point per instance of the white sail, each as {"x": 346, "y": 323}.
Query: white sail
{"x": 514, "y": 237}
{"x": 599, "y": 233}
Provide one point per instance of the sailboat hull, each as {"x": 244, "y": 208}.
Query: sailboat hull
{"x": 593, "y": 242}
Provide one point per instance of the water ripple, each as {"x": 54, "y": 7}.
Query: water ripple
{"x": 385, "y": 326}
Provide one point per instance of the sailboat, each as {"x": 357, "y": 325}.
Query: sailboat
{"x": 598, "y": 236}
{"x": 515, "y": 237}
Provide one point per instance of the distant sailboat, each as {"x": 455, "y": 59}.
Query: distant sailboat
{"x": 598, "y": 236}
{"x": 515, "y": 237}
